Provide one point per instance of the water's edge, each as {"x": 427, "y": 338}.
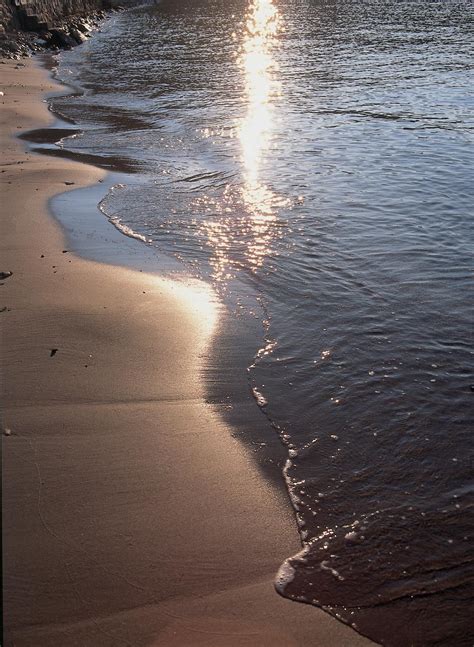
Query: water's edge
{"x": 239, "y": 339}
{"x": 229, "y": 386}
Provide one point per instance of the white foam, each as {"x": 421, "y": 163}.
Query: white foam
{"x": 128, "y": 231}
{"x": 286, "y": 574}
{"x": 261, "y": 400}
{"x": 325, "y": 567}
{"x": 116, "y": 221}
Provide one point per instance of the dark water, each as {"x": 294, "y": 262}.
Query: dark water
{"x": 318, "y": 156}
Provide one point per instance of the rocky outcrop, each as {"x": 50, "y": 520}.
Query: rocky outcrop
{"x": 27, "y": 26}
{"x": 40, "y": 15}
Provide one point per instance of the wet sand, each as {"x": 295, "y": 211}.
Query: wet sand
{"x": 131, "y": 515}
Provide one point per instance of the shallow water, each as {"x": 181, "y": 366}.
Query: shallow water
{"x": 313, "y": 158}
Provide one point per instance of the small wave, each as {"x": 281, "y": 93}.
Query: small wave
{"x": 74, "y": 134}
{"x": 261, "y": 399}
{"x": 117, "y": 221}
{"x": 128, "y": 231}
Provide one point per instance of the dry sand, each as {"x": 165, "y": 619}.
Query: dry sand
{"x": 131, "y": 516}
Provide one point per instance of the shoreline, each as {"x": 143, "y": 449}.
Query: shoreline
{"x": 87, "y": 228}
{"x": 130, "y": 511}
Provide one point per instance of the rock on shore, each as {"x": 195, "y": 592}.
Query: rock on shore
{"x": 65, "y": 33}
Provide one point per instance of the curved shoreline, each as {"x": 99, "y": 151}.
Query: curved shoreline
{"x": 131, "y": 514}
{"x": 79, "y": 212}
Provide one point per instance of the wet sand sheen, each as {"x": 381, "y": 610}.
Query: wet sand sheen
{"x": 131, "y": 515}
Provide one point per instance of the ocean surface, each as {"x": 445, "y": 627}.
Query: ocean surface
{"x": 313, "y": 161}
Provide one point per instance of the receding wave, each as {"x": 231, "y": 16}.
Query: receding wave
{"x": 117, "y": 220}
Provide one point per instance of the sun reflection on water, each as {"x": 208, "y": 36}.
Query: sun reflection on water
{"x": 257, "y": 63}
{"x": 245, "y": 218}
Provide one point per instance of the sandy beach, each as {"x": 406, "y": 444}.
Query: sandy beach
{"x": 131, "y": 515}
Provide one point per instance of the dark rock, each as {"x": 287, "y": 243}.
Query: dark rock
{"x": 78, "y": 36}
{"x": 33, "y": 22}
{"x": 84, "y": 27}
{"x": 9, "y": 45}
{"x": 5, "y": 275}
{"x": 43, "y": 25}
{"x": 59, "y": 38}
